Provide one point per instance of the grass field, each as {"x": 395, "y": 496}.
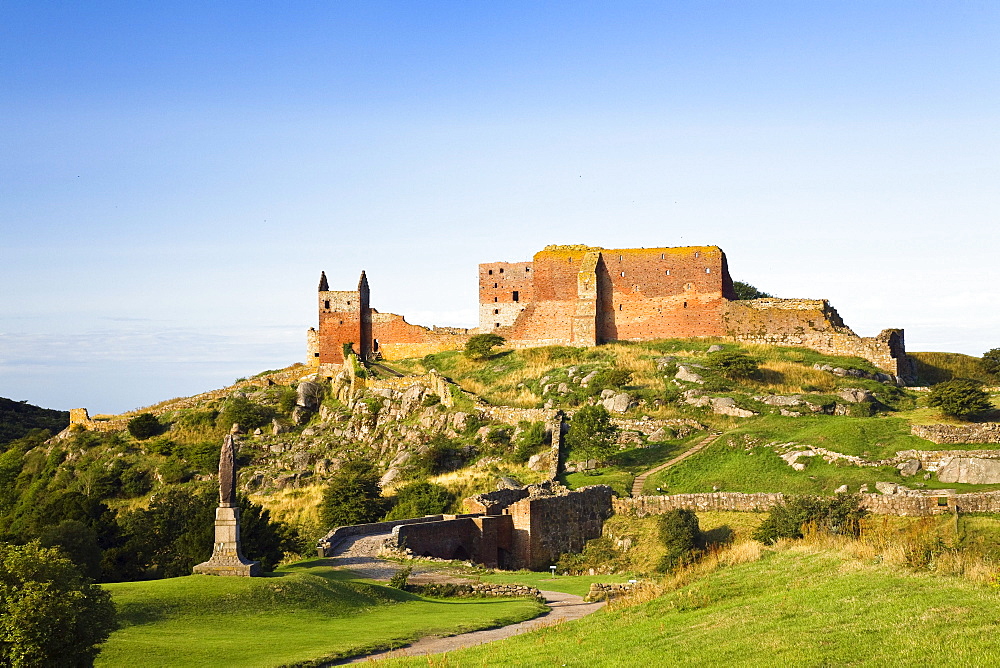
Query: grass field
{"x": 801, "y": 605}
{"x": 304, "y": 612}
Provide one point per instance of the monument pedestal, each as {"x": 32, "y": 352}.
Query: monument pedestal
{"x": 227, "y": 557}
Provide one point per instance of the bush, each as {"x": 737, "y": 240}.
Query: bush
{"x": 353, "y": 496}
{"x": 420, "y": 498}
{"x": 991, "y": 361}
{"x": 959, "y": 398}
{"x": 746, "y": 291}
{"x": 144, "y": 426}
{"x": 245, "y": 413}
{"x": 530, "y": 437}
{"x": 481, "y": 346}
{"x": 50, "y": 615}
{"x": 840, "y": 514}
{"x": 733, "y": 364}
{"x": 592, "y": 434}
{"x": 681, "y": 536}
{"x": 609, "y": 379}
{"x": 400, "y": 577}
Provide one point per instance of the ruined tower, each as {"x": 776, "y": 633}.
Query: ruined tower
{"x": 344, "y": 317}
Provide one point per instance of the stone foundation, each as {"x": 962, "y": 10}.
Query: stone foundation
{"x": 227, "y": 557}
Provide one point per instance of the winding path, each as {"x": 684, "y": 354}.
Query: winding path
{"x": 360, "y": 554}
{"x": 640, "y": 480}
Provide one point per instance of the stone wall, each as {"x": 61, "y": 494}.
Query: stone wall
{"x": 643, "y": 506}
{"x": 334, "y": 537}
{"x": 988, "y": 432}
{"x": 547, "y": 526}
{"x": 813, "y": 323}
{"x": 603, "y": 591}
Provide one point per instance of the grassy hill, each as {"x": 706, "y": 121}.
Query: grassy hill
{"x": 307, "y": 612}
{"x": 17, "y": 418}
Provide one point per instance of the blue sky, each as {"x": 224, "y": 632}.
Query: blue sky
{"x": 174, "y": 176}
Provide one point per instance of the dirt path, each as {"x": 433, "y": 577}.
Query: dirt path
{"x": 564, "y": 607}
{"x": 640, "y": 479}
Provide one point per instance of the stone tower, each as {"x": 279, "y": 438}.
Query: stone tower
{"x": 344, "y": 317}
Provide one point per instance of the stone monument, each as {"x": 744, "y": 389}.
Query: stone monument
{"x": 227, "y": 557}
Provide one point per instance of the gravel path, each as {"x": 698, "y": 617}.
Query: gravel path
{"x": 564, "y": 607}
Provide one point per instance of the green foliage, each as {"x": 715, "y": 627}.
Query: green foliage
{"x": 400, "y": 577}
{"x": 249, "y": 415}
{"x": 934, "y": 368}
{"x": 991, "y": 361}
{"x": 614, "y": 378}
{"x": 353, "y": 496}
{"x": 19, "y": 418}
{"x": 530, "y": 437}
{"x": 440, "y": 455}
{"x": 286, "y": 400}
{"x": 430, "y": 400}
{"x": 78, "y": 542}
{"x": 592, "y": 434}
{"x": 747, "y": 291}
{"x": 679, "y": 532}
{"x": 839, "y": 514}
{"x": 959, "y": 398}
{"x": 733, "y": 364}
{"x": 169, "y": 537}
{"x": 50, "y": 614}
{"x": 599, "y": 554}
{"x": 347, "y": 349}
{"x": 420, "y": 498}
{"x": 144, "y": 425}
{"x": 480, "y": 346}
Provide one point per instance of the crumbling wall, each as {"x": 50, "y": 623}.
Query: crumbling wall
{"x": 546, "y": 526}
{"x": 642, "y": 506}
{"x": 813, "y": 323}
{"x": 987, "y": 432}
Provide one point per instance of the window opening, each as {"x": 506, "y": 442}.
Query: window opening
{"x": 496, "y": 311}
{"x": 685, "y": 304}
{"x": 501, "y": 271}
{"x": 498, "y": 324}
{"x": 374, "y": 345}
{"x": 315, "y": 354}
{"x": 668, "y": 272}
{"x": 697, "y": 253}
{"x": 491, "y": 272}
{"x": 527, "y": 268}
{"x": 623, "y": 274}
{"x": 495, "y": 299}
{"x": 516, "y": 296}
{"x": 326, "y": 304}
{"x": 663, "y": 256}
{"x": 621, "y": 257}
{"x": 619, "y": 307}
{"x": 496, "y": 285}
{"x": 708, "y": 270}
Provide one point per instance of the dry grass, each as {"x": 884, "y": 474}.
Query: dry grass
{"x": 299, "y": 507}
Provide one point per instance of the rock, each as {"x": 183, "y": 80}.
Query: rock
{"x": 301, "y": 415}
{"x": 788, "y": 413}
{"x": 563, "y": 388}
{"x": 605, "y": 394}
{"x": 715, "y": 348}
{"x": 506, "y": 482}
{"x": 661, "y": 434}
{"x": 585, "y": 381}
{"x": 308, "y": 395}
{"x": 540, "y": 462}
{"x": 927, "y": 476}
{"x": 909, "y": 467}
{"x": 686, "y": 374}
{"x": 257, "y": 431}
{"x": 887, "y": 487}
{"x": 459, "y": 421}
{"x": 482, "y": 433}
{"x": 619, "y": 403}
{"x": 727, "y": 406}
{"x": 855, "y": 395}
{"x": 971, "y": 470}
{"x": 235, "y": 429}
{"x": 302, "y": 459}
{"x": 277, "y": 427}
{"x": 663, "y": 362}
{"x": 780, "y": 400}
{"x": 843, "y": 489}
{"x": 863, "y": 489}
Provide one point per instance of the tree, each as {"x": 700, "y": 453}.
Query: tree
{"x": 733, "y": 364}
{"x": 959, "y": 398}
{"x": 991, "y": 361}
{"x": 420, "y": 498}
{"x": 681, "y": 536}
{"x": 353, "y": 496}
{"x": 481, "y": 346}
{"x": 77, "y": 541}
{"x": 144, "y": 426}
{"x": 50, "y": 615}
{"x": 592, "y": 434}
{"x": 530, "y": 437}
{"x": 747, "y": 291}
{"x": 247, "y": 414}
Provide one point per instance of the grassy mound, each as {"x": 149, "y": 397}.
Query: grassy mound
{"x": 303, "y": 613}
{"x": 804, "y": 605}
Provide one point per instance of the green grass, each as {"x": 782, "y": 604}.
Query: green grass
{"x": 304, "y": 612}
{"x": 940, "y": 367}
{"x": 568, "y": 584}
{"x": 627, "y": 464}
{"x": 796, "y": 607}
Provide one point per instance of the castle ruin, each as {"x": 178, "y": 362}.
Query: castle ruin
{"x": 579, "y": 295}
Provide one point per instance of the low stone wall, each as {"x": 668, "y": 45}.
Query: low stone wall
{"x": 987, "y": 432}
{"x": 506, "y": 590}
{"x": 642, "y": 506}
{"x": 331, "y": 540}
{"x": 604, "y": 591}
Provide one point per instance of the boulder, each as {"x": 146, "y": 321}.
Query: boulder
{"x": 855, "y": 395}
{"x": 972, "y": 470}
{"x": 308, "y": 395}
{"x": 686, "y": 374}
{"x": 887, "y": 487}
{"x": 727, "y": 406}
{"x": 605, "y": 394}
{"x": 715, "y": 348}
{"x": 540, "y": 462}
{"x": 563, "y": 388}
{"x": 780, "y": 400}
{"x": 619, "y": 403}
{"x": 843, "y": 489}
{"x": 586, "y": 379}
{"x": 909, "y": 467}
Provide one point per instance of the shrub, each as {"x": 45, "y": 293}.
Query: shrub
{"x": 353, "y": 496}
{"x": 609, "y": 379}
{"x": 733, "y": 363}
{"x": 247, "y": 414}
{"x": 430, "y": 400}
{"x": 530, "y": 437}
{"x": 420, "y": 498}
{"x": 481, "y": 346}
{"x": 991, "y": 361}
{"x": 746, "y": 291}
{"x": 681, "y": 536}
{"x": 400, "y": 577}
{"x": 840, "y": 514}
{"x": 592, "y": 434}
{"x": 959, "y": 398}
{"x": 144, "y": 426}
{"x": 50, "y": 615}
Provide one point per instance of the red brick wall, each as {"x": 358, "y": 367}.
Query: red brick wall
{"x": 339, "y": 323}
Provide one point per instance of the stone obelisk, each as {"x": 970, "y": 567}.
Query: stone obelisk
{"x": 227, "y": 557}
